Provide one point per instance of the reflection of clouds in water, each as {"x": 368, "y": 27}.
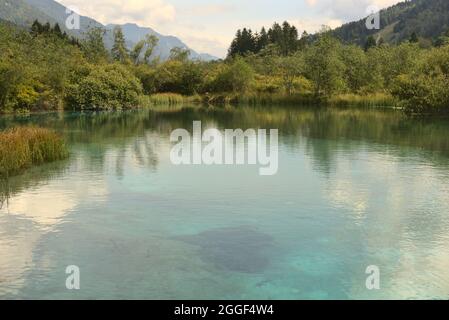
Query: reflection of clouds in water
{"x": 17, "y": 240}
{"x": 367, "y": 204}
{"x": 343, "y": 192}
{"x": 30, "y": 215}
{"x": 27, "y": 216}
{"x": 413, "y": 218}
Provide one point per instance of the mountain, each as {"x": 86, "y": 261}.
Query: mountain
{"x": 133, "y": 34}
{"x": 21, "y": 13}
{"x": 428, "y": 19}
{"x": 24, "y": 12}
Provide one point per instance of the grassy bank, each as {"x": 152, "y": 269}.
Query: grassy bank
{"x": 369, "y": 100}
{"x": 172, "y": 99}
{"x": 23, "y": 147}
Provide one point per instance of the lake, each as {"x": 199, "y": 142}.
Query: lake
{"x": 355, "y": 188}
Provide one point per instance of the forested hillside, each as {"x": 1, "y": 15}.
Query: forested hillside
{"x": 423, "y": 21}
{"x": 427, "y": 19}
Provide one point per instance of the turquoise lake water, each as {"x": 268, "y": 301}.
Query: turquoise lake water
{"x": 354, "y": 188}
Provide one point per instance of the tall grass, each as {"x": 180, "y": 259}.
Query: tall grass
{"x": 172, "y": 99}
{"x": 275, "y": 99}
{"x": 299, "y": 99}
{"x": 368, "y": 100}
{"x": 23, "y": 147}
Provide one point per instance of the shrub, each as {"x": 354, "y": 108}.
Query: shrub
{"x": 424, "y": 95}
{"x": 183, "y": 77}
{"x": 106, "y": 87}
{"x": 237, "y": 77}
{"x": 424, "y": 90}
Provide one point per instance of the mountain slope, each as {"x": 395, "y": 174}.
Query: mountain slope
{"x": 24, "y": 12}
{"x": 427, "y": 18}
{"x": 21, "y": 13}
{"x": 133, "y": 34}
{"x": 58, "y": 12}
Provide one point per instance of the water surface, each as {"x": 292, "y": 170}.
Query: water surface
{"x": 354, "y": 188}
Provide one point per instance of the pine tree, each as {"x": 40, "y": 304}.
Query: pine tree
{"x": 275, "y": 34}
{"x": 119, "y": 51}
{"x": 247, "y": 42}
{"x": 370, "y": 43}
{"x": 36, "y": 28}
{"x": 262, "y": 40}
{"x": 57, "y": 30}
{"x": 244, "y": 42}
{"x": 304, "y": 41}
{"x": 46, "y": 28}
{"x": 234, "y": 49}
{"x": 289, "y": 38}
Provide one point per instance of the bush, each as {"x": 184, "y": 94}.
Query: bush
{"x": 425, "y": 90}
{"x": 183, "y": 77}
{"x": 106, "y": 87}
{"x": 22, "y": 147}
{"x": 423, "y": 95}
{"x": 268, "y": 84}
{"x": 237, "y": 77}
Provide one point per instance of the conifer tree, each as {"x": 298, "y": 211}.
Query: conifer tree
{"x": 119, "y": 51}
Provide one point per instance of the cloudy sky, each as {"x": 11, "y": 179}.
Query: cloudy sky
{"x": 209, "y": 25}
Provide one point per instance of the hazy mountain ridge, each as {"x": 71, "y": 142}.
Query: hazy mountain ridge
{"x": 21, "y": 13}
{"x": 24, "y": 12}
{"x": 134, "y": 33}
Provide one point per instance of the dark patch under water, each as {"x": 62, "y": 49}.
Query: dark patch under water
{"x": 239, "y": 249}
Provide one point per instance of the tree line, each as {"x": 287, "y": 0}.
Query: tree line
{"x": 41, "y": 69}
{"x": 284, "y": 36}
{"x": 38, "y": 28}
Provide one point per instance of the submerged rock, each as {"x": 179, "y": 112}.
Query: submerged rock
{"x": 239, "y": 249}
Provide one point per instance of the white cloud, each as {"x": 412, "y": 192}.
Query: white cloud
{"x": 211, "y": 27}
{"x": 314, "y": 25}
{"x": 347, "y": 10}
{"x": 161, "y": 16}
{"x": 311, "y": 2}
{"x": 146, "y": 13}
{"x": 209, "y": 9}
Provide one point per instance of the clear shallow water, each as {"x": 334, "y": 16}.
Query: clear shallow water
{"x": 354, "y": 188}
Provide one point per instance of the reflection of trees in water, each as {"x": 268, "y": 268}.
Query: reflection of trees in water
{"x": 144, "y": 152}
{"x": 97, "y": 138}
{"x": 386, "y": 130}
{"x": 125, "y": 133}
{"x": 324, "y": 131}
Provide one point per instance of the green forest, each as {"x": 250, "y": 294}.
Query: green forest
{"x": 427, "y": 19}
{"x": 44, "y": 69}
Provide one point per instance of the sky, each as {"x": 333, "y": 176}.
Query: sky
{"x": 208, "y": 26}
